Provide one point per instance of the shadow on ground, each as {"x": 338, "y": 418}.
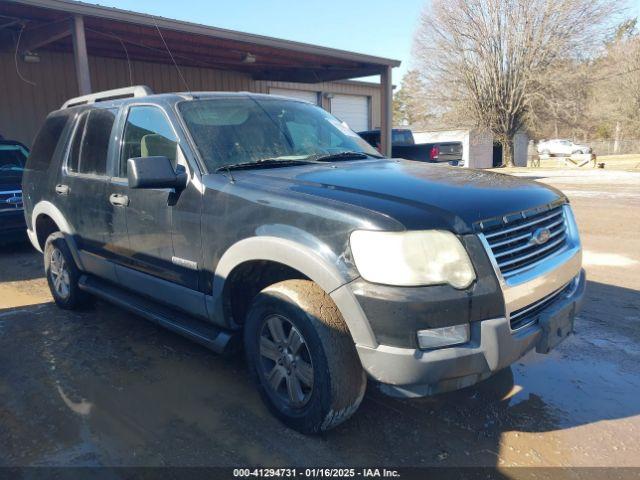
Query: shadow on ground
{"x": 24, "y": 264}
{"x": 103, "y": 387}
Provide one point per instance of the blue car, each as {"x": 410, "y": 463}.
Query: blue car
{"x": 13, "y": 156}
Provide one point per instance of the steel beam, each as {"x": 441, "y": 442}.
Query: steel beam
{"x": 40, "y": 36}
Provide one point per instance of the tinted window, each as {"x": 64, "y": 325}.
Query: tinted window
{"x": 372, "y": 139}
{"x": 46, "y": 141}
{"x": 401, "y": 137}
{"x": 12, "y": 159}
{"x": 147, "y": 133}
{"x": 91, "y": 142}
{"x": 74, "y": 154}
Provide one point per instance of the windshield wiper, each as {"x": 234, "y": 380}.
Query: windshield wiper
{"x": 283, "y": 161}
{"x": 263, "y": 162}
{"x": 332, "y": 157}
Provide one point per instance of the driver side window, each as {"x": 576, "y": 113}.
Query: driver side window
{"x": 147, "y": 133}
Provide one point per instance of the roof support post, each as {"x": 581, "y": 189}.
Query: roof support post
{"x": 80, "y": 56}
{"x": 386, "y": 107}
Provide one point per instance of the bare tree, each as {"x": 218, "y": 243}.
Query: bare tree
{"x": 494, "y": 60}
{"x": 615, "y": 89}
{"x": 409, "y": 107}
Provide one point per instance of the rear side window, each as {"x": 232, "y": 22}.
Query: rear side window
{"x": 402, "y": 137}
{"x": 46, "y": 141}
{"x": 90, "y": 144}
{"x": 370, "y": 138}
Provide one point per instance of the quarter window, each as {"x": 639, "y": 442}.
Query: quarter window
{"x": 46, "y": 141}
{"x": 147, "y": 133}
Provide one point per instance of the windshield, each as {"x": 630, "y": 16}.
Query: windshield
{"x": 236, "y": 130}
{"x": 12, "y": 159}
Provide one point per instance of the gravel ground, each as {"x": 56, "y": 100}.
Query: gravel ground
{"x": 103, "y": 387}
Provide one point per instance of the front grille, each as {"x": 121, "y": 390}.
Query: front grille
{"x": 10, "y": 200}
{"x": 528, "y": 315}
{"x": 512, "y": 239}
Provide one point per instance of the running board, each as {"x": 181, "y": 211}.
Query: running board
{"x": 199, "y": 331}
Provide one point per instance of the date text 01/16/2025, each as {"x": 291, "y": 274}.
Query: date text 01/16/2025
{"x": 315, "y": 473}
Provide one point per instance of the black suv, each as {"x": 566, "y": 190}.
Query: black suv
{"x": 262, "y": 221}
{"x": 13, "y": 156}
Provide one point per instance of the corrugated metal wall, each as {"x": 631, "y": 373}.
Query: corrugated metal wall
{"x": 23, "y": 106}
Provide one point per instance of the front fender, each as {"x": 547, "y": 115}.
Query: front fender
{"x": 314, "y": 260}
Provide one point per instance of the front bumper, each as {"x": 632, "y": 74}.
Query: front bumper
{"x": 493, "y": 346}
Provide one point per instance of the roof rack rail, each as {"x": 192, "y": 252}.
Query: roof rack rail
{"x": 126, "y": 92}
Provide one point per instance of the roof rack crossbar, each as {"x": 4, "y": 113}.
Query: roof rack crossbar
{"x": 126, "y": 92}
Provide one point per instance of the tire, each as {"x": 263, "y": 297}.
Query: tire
{"x": 62, "y": 274}
{"x": 323, "y": 360}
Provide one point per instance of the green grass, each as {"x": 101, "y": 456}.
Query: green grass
{"x": 629, "y": 162}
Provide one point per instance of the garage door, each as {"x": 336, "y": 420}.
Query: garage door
{"x": 299, "y": 94}
{"x": 352, "y": 109}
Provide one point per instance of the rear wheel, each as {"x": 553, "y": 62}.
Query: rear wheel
{"x": 302, "y": 356}
{"x": 62, "y": 273}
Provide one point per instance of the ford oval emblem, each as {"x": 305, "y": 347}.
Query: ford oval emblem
{"x": 541, "y": 236}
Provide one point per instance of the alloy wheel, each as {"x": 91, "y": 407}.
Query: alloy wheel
{"x": 285, "y": 361}
{"x": 59, "y": 274}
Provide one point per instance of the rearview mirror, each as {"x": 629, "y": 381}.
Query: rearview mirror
{"x": 155, "y": 172}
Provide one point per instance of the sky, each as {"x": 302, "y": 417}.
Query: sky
{"x": 383, "y": 28}
{"x": 376, "y": 27}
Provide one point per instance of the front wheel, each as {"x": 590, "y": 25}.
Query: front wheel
{"x": 302, "y": 356}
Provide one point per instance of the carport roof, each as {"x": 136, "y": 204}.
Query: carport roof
{"x": 112, "y": 32}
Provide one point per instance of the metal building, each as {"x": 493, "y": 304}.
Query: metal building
{"x": 52, "y": 50}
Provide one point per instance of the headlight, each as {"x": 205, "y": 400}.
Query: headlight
{"x": 409, "y": 259}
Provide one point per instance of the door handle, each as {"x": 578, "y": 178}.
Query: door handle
{"x": 62, "y": 189}
{"x": 118, "y": 200}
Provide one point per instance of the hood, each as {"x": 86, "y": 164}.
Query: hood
{"x": 418, "y": 195}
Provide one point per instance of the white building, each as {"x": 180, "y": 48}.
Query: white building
{"x": 478, "y": 147}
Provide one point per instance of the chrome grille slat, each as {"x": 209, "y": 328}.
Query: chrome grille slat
{"x": 524, "y": 268}
{"x": 527, "y": 315}
{"x": 526, "y": 245}
{"x": 520, "y": 227}
{"x": 5, "y": 196}
{"x": 523, "y": 311}
{"x": 511, "y": 243}
{"x": 511, "y": 240}
{"x": 547, "y": 246}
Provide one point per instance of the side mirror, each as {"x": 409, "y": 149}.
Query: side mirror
{"x": 155, "y": 172}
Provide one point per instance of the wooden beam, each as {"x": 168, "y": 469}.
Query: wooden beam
{"x": 37, "y": 37}
{"x": 311, "y": 75}
{"x": 80, "y": 56}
